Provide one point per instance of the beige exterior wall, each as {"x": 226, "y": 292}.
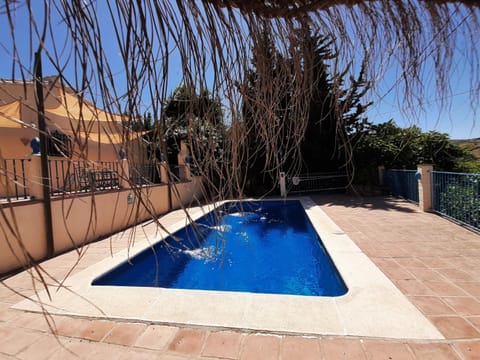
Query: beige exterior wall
{"x": 21, "y": 226}
{"x": 11, "y": 145}
{"x": 99, "y": 136}
{"x": 82, "y": 219}
{"x": 12, "y": 91}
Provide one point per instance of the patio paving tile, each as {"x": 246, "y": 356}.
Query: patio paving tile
{"x": 71, "y": 327}
{"x": 385, "y": 262}
{"x": 140, "y": 354}
{"x": 73, "y": 349}
{"x": 469, "y": 350}
{"x": 433, "y": 351}
{"x": 425, "y": 273}
{"x": 6, "y": 357}
{"x": 6, "y": 315}
{"x": 475, "y": 321}
{"x": 223, "y": 344}
{"x": 472, "y": 288}
{"x": 107, "y": 351}
{"x": 347, "y": 349}
{"x": 464, "y": 305}
{"x": 435, "y": 262}
{"x": 188, "y": 341}
{"x": 454, "y": 327}
{"x": 460, "y": 261}
{"x": 156, "y": 337}
{"x": 125, "y": 334}
{"x": 30, "y": 321}
{"x": 261, "y": 347}
{"x": 410, "y": 263}
{"x": 397, "y": 273}
{"x": 41, "y": 349}
{"x": 413, "y": 287}
{"x": 444, "y": 288}
{"x": 296, "y": 347}
{"x": 377, "y": 350}
{"x": 16, "y": 340}
{"x": 456, "y": 274}
{"x": 431, "y": 305}
{"x": 95, "y": 330}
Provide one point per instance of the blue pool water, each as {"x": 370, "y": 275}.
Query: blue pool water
{"x": 256, "y": 246}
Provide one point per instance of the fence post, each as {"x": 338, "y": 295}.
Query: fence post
{"x": 165, "y": 178}
{"x": 381, "y": 174}
{"x": 163, "y": 172}
{"x": 187, "y": 173}
{"x": 424, "y": 173}
{"x": 283, "y": 188}
{"x": 34, "y": 177}
{"x": 124, "y": 174}
{"x": 183, "y": 162}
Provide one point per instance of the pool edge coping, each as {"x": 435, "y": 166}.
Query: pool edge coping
{"x": 348, "y": 315}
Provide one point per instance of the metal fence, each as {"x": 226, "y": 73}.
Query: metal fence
{"x": 457, "y": 195}
{"x": 402, "y": 183}
{"x": 74, "y": 176}
{"x": 12, "y": 180}
{"x": 71, "y": 176}
{"x": 145, "y": 174}
{"x": 317, "y": 182}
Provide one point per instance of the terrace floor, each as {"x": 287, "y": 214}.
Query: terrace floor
{"x": 434, "y": 262}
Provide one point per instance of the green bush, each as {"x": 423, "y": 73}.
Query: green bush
{"x": 461, "y": 201}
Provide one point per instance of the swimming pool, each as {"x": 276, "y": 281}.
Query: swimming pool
{"x": 369, "y": 292}
{"x": 254, "y": 246}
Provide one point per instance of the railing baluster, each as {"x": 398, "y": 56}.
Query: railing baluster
{"x": 15, "y": 178}
{"x": 24, "y": 182}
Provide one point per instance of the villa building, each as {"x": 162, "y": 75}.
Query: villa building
{"x": 77, "y": 129}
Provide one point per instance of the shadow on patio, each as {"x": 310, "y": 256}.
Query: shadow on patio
{"x": 370, "y": 203}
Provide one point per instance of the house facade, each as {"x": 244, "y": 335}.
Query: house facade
{"x": 76, "y": 128}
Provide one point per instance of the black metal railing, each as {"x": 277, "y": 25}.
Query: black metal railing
{"x": 74, "y": 176}
{"x": 71, "y": 176}
{"x": 145, "y": 174}
{"x": 13, "y": 185}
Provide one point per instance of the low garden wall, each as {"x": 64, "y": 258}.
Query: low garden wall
{"x": 82, "y": 218}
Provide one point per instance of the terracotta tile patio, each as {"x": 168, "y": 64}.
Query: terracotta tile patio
{"x": 434, "y": 262}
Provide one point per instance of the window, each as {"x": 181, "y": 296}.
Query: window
{"x": 59, "y": 144}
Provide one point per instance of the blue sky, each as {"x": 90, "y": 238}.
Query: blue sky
{"x": 458, "y": 119}
{"x": 450, "y": 113}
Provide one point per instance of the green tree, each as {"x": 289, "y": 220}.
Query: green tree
{"x": 334, "y": 115}
{"x": 197, "y": 119}
{"x": 258, "y": 168}
{"x": 404, "y": 148}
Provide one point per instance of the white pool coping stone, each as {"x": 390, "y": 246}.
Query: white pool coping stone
{"x": 372, "y": 307}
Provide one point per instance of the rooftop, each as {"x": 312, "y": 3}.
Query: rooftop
{"x": 432, "y": 261}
